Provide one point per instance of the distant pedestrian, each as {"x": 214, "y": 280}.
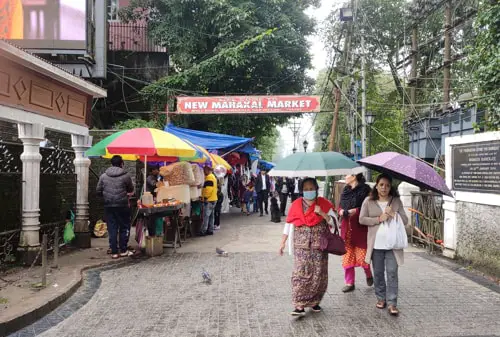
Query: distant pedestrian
{"x": 296, "y": 189}
{"x": 353, "y": 233}
{"x": 115, "y": 185}
{"x": 209, "y": 202}
{"x": 218, "y": 205}
{"x": 307, "y": 219}
{"x": 262, "y": 187}
{"x": 152, "y": 180}
{"x": 382, "y": 205}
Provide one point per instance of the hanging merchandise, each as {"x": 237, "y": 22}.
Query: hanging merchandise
{"x": 178, "y": 174}
{"x": 220, "y": 171}
{"x": 199, "y": 176}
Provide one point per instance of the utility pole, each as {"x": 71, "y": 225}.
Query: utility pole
{"x": 447, "y": 55}
{"x": 333, "y": 134}
{"x": 414, "y": 59}
{"x": 363, "y": 98}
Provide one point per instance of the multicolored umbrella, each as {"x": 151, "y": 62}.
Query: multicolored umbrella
{"x": 143, "y": 142}
{"x": 315, "y": 164}
{"x": 409, "y": 169}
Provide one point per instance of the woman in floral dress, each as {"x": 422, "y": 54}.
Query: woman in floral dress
{"x": 308, "y": 218}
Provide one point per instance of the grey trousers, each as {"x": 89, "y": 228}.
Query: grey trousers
{"x": 384, "y": 262}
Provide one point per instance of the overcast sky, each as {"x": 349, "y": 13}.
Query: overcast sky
{"x": 319, "y": 61}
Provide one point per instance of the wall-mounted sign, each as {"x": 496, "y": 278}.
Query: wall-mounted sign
{"x": 476, "y": 167}
{"x": 248, "y": 104}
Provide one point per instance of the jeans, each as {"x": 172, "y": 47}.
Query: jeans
{"x": 208, "y": 218}
{"x": 255, "y": 204}
{"x": 118, "y": 222}
{"x": 263, "y": 200}
{"x": 350, "y": 274}
{"x": 384, "y": 261}
{"x": 217, "y": 211}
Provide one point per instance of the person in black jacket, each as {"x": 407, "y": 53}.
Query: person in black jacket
{"x": 262, "y": 187}
{"x": 115, "y": 185}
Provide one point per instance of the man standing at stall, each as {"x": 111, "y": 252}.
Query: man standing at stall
{"x": 114, "y": 186}
{"x": 209, "y": 202}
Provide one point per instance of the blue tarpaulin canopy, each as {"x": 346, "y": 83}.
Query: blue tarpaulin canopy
{"x": 212, "y": 141}
{"x": 266, "y": 165}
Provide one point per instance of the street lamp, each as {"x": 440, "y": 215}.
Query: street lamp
{"x": 369, "y": 119}
{"x": 324, "y": 137}
{"x": 305, "y": 144}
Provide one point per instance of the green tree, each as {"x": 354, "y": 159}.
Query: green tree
{"x": 485, "y": 57}
{"x": 229, "y": 47}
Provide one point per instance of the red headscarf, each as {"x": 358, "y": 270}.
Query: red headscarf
{"x": 297, "y": 217}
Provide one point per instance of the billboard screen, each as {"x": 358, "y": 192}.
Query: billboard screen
{"x": 248, "y": 104}
{"x": 44, "y": 24}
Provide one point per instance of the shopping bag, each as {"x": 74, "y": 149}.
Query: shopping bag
{"x": 396, "y": 234}
{"x": 69, "y": 233}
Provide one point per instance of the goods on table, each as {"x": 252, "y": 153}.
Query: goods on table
{"x": 178, "y": 174}
{"x": 169, "y": 202}
{"x": 199, "y": 176}
{"x": 147, "y": 199}
{"x": 179, "y": 192}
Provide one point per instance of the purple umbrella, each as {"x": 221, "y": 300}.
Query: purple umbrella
{"x": 408, "y": 169}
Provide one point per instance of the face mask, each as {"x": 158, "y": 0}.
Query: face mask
{"x": 310, "y": 195}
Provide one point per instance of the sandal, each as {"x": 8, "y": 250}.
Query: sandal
{"x": 381, "y": 305}
{"x": 393, "y": 310}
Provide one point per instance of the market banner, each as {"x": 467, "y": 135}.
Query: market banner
{"x": 248, "y": 104}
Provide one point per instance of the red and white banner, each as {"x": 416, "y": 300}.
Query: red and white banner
{"x": 247, "y": 104}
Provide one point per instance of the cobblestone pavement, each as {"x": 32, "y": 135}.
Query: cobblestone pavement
{"x": 250, "y": 296}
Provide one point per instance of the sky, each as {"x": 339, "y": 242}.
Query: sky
{"x": 319, "y": 61}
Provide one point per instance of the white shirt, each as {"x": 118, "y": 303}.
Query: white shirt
{"x": 264, "y": 187}
{"x": 296, "y": 186}
{"x": 381, "y": 237}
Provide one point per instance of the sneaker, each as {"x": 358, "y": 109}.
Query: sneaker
{"x": 316, "y": 308}
{"x": 216, "y": 228}
{"x": 298, "y": 312}
{"x": 348, "y": 288}
{"x": 126, "y": 254}
{"x": 210, "y": 233}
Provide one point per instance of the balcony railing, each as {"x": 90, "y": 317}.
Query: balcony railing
{"x": 132, "y": 37}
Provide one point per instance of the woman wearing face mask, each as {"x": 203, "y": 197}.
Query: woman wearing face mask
{"x": 382, "y": 205}
{"x": 354, "y": 234}
{"x": 307, "y": 219}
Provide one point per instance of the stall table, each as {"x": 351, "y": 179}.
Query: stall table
{"x": 152, "y": 213}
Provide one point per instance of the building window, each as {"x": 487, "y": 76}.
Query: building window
{"x": 113, "y": 6}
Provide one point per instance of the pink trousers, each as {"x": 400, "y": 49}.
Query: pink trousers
{"x": 350, "y": 274}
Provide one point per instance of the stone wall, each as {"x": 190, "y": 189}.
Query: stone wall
{"x": 478, "y": 236}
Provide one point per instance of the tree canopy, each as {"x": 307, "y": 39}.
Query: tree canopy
{"x": 229, "y": 47}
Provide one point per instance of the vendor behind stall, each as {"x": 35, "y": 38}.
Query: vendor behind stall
{"x": 209, "y": 202}
{"x": 152, "y": 180}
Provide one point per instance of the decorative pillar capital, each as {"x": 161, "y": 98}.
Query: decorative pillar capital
{"x": 81, "y": 143}
{"x": 31, "y": 133}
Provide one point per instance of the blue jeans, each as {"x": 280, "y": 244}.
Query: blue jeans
{"x": 208, "y": 218}
{"x": 384, "y": 262}
{"x": 118, "y": 222}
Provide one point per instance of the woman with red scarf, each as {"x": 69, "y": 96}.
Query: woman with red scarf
{"x": 308, "y": 218}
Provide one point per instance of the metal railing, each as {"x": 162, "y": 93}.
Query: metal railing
{"x": 427, "y": 220}
{"x": 132, "y": 37}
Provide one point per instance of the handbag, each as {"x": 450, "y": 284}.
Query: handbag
{"x": 332, "y": 243}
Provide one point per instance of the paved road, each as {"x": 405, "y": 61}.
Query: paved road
{"x": 250, "y": 296}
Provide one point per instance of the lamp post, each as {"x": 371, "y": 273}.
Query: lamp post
{"x": 305, "y": 144}
{"x": 369, "y": 119}
{"x": 324, "y": 137}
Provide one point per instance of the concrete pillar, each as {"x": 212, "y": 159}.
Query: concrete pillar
{"x": 405, "y": 190}
{"x": 81, "y": 144}
{"x": 450, "y": 227}
{"x": 29, "y": 245}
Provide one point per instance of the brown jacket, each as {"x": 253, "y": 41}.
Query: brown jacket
{"x": 370, "y": 211}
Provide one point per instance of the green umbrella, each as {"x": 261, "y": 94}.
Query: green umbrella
{"x": 315, "y": 164}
